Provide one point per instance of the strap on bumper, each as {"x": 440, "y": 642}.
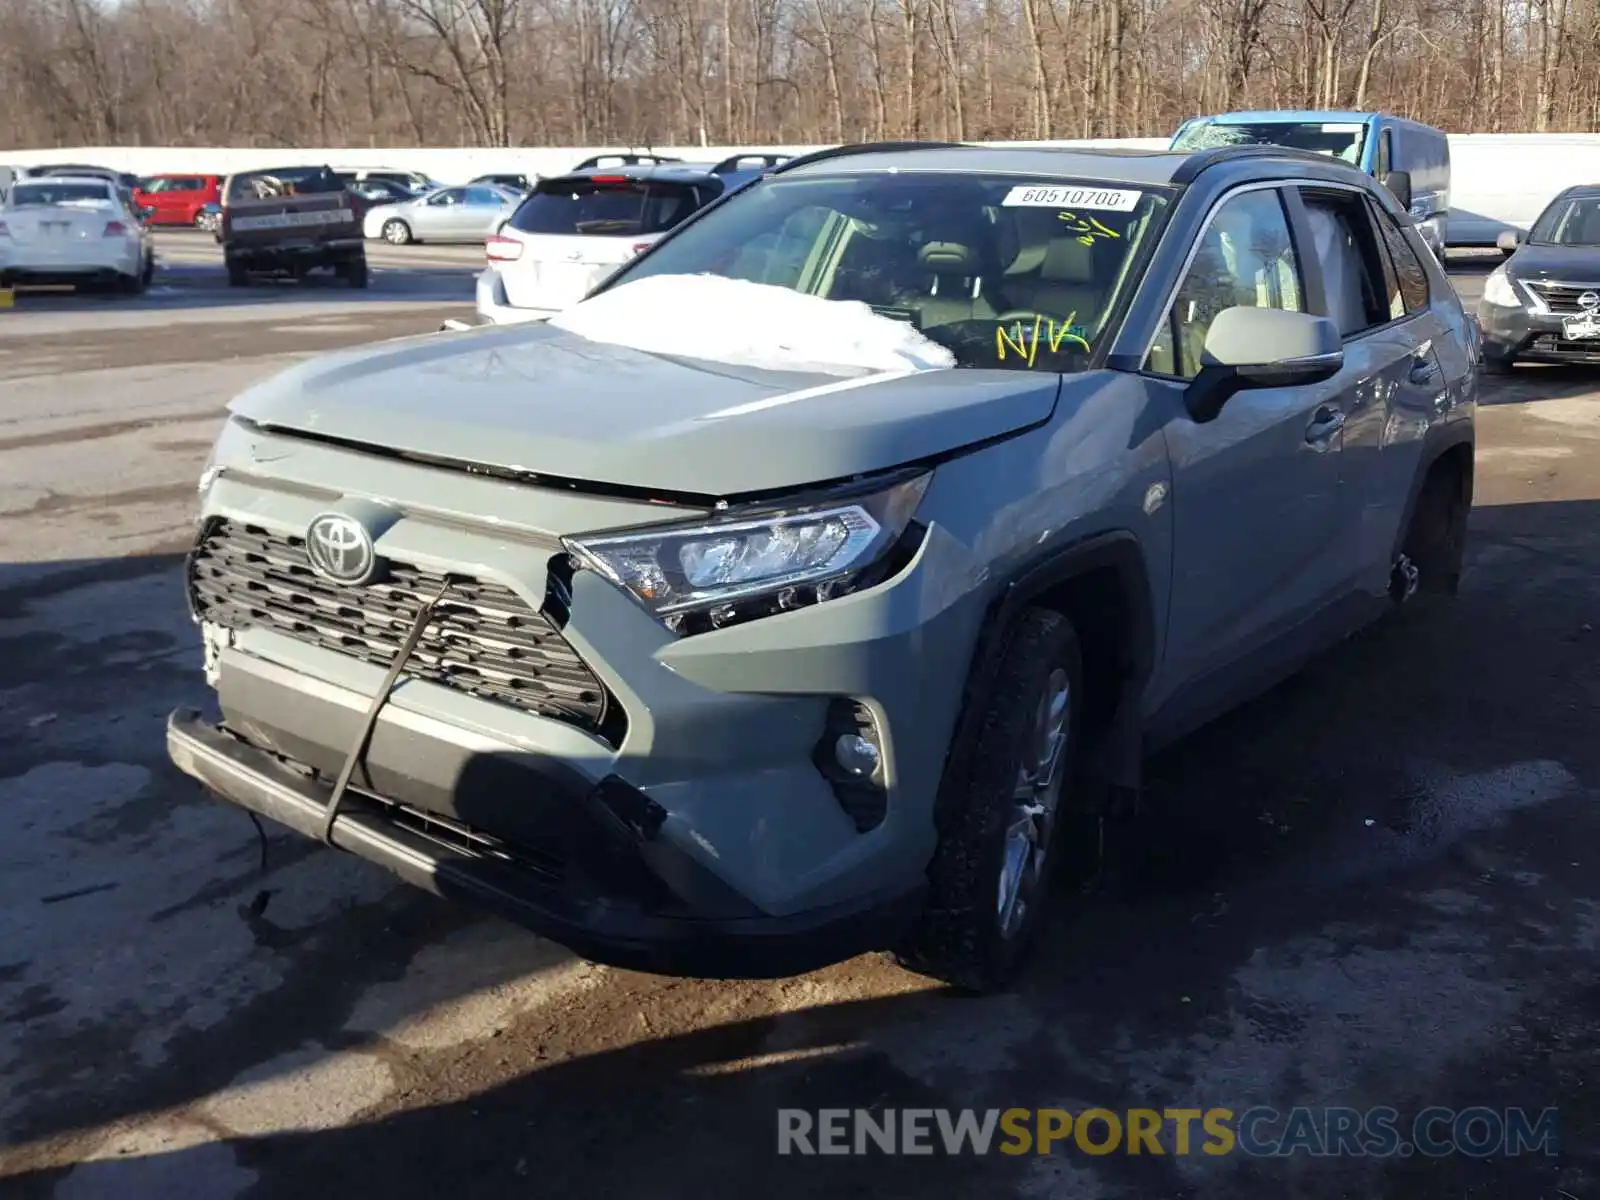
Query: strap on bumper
{"x": 364, "y": 734}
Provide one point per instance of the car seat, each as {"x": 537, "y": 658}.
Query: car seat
{"x": 1064, "y": 285}
{"x": 956, "y": 273}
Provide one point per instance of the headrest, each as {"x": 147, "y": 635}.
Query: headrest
{"x": 1067, "y": 260}
{"x": 949, "y": 258}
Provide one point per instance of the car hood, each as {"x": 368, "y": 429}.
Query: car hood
{"x": 539, "y": 399}
{"x": 1574, "y": 264}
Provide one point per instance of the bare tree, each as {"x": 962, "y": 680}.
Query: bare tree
{"x": 517, "y": 72}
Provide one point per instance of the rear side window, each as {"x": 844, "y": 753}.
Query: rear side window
{"x": 1408, "y": 280}
{"x": 284, "y": 181}
{"x": 605, "y": 207}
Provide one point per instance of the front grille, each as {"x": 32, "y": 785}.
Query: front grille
{"x": 1561, "y": 297}
{"x": 482, "y": 639}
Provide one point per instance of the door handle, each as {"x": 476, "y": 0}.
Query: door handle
{"x": 1424, "y": 370}
{"x": 1325, "y": 423}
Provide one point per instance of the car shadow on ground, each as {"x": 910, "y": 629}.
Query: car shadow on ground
{"x": 1529, "y": 383}
{"x": 1320, "y": 811}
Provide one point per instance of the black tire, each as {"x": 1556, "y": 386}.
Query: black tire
{"x": 149, "y": 274}
{"x": 959, "y": 937}
{"x": 1435, "y": 541}
{"x": 354, "y": 272}
{"x": 1498, "y": 366}
{"x": 237, "y": 275}
{"x": 396, "y": 232}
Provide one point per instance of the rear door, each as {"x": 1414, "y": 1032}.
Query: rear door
{"x": 576, "y": 231}
{"x": 487, "y": 207}
{"x": 1391, "y": 369}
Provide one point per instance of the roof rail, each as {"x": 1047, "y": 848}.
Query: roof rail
{"x": 731, "y": 163}
{"x": 1200, "y": 160}
{"x": 628, "y": 159}
{"x": 863, "y": 148}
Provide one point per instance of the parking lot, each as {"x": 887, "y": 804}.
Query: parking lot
{"x": 1375, "y": 886}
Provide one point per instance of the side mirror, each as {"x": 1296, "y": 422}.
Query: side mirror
{"x": 1508, "y": 241}
{"x": 1399, "y": 182}
{"x": 1261, "y": 348}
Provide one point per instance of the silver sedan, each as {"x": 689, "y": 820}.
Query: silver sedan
{"x": 452, "y": 214}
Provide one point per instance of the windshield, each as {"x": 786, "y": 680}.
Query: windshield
{"x": 25, "y": 195}
{"x": 1569, "y": 221}
{"x": 1002, "y": 272}
{"x": 1337, "y": 139}
{"x": 604, "y": 206}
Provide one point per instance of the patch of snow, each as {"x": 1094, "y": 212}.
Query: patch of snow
{"x": 751, "y": 324}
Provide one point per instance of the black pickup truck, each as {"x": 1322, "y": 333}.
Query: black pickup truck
{"x": 291, "y": 220}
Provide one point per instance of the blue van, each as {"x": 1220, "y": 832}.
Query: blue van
{"x": 1413, "y": 159}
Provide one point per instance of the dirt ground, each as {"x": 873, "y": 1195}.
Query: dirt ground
{"x": 1375, "y": 886}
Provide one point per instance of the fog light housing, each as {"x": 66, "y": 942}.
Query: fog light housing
{"x": 849, "y": 755}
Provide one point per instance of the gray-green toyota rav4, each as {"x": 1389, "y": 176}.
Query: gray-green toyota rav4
{"x": 725, "y": 668}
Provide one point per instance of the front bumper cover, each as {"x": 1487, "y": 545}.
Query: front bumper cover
{"x": 1527, "y": 335}
{"x": 623, "y": 897}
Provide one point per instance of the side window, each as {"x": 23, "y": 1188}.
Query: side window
{"x": 445, "y": 198}
{"x": 1385, "y": 152}
{"x": 1245, "y": 258}
{"x": 1346, "y": 246}
{"x": 1408, "y": 281}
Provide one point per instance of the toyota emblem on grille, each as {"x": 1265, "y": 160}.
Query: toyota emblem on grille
{"x": 340, "y": 549}
{"x": 1589, "y": 300}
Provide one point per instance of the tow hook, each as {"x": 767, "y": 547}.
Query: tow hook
{"x": 1403, "y": 579}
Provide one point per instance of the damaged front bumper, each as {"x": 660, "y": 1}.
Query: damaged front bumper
{"x": 615, "y": 893}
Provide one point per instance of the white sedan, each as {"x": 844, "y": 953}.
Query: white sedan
{"x": 452, "y": 214}
{"x": 62, "y": 229}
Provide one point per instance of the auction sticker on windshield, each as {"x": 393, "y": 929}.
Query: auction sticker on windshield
{"x": 1099, "y": 199}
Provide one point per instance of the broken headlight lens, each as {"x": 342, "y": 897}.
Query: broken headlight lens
{"x": 753, "y": 562}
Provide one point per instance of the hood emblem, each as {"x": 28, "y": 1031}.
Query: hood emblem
{"x": 1589, "y": 300}
{"x": 340, "y": 549}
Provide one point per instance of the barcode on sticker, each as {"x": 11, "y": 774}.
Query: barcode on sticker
{"x": 1094, "y": 199}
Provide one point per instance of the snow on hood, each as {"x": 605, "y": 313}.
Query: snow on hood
{"x": 751, "y": 324}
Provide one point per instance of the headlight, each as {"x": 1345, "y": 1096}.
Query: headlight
{"x": 757, "y": 561}
{"x": 1500, "y": 291}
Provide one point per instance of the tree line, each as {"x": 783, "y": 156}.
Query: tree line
{"x": 750, "y": 72}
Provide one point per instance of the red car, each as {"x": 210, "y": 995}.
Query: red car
{"x": 178, "y": 199}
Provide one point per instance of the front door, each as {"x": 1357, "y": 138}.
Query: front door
{"x": 1258, "y": 539}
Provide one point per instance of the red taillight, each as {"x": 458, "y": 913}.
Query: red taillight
{"x": 641, "y": 247}
{"x": 609, "y": 179}
{"x": 502, "y": 249}
{"x": 115, "y": 229}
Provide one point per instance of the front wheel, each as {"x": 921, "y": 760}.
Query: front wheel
{"x": 396, "y": 233}
{"x": 237, "y": 275}
{"x": 1000, "y": 813}
{"x": 354, "y": 273}
{"x": 1497, "y": 366}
